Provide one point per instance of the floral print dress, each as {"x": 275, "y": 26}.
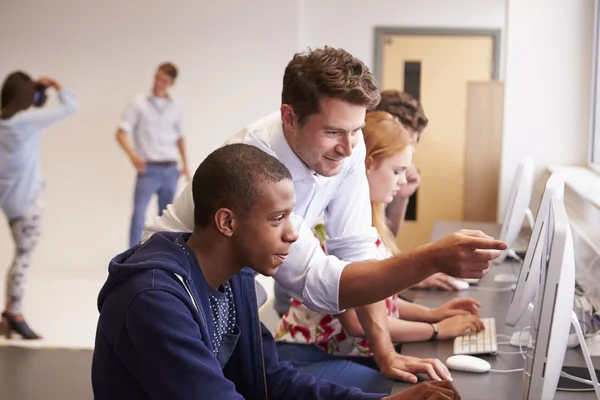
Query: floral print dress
{"x": 302, "y": 325}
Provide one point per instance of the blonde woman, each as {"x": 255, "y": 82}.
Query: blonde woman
{"x": 411, "y": 115}
{"x": 326, "y": 345}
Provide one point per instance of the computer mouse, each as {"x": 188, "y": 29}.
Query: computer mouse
{"x": 468, "y": 364}
{"x": 506, "y": 278}
{"x": 459, "y": 283}
{"x": 573, "y": 340}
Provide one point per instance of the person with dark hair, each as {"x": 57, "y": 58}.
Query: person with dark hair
{"x": 178, "y": 314}
{"x": 317, "y": 135}
{"x": 21, "y": 182}
{"x": 411, "y": 115}
{"x": 154, "y": 123}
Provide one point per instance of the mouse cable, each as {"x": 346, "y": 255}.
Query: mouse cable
{"x": 506, "y": 371}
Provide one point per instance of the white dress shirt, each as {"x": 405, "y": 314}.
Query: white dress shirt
{"x": 155, "y": 125}
{"x": 307, "y": 275}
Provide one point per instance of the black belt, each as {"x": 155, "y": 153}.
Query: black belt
{"x": 161, "y": 163}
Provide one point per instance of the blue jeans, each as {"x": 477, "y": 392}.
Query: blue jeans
{"x": 312, "y": 360}
{"x": 161, "y": 180}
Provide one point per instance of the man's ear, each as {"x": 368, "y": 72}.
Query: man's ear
{"x": 369, "y": 164}
{"x": 225, "y": 221}
{"x": 288, "y": 117}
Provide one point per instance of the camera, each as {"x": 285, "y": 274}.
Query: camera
{"x": 39, "y": 95}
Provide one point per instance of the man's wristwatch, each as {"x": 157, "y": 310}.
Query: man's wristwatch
{"x": 435, "y": 332}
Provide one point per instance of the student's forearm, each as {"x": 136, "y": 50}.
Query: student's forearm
{"x": 374, "y": 321}
{"x": 402, "y": 331}
{"x": 396, "y": 213}
{"x": 124, "y": 143}
{"x": 371, "y": 281}
{"x": 414, "y": 312}
{"x": 182, "y": 151}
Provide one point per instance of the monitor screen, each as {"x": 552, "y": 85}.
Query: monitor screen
{"x": 552, "y": 306}
{"x": 545, "y": 240}
{"x": 527, "y": 283}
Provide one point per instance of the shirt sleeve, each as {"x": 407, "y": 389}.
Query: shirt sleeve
{"x": 350, "y": 231}
{"x": 310, "y": 276}
{"x": 43, "y": 117}
{"x": 177, "y": 217}
{"x": 178, "y": 124}
{"x": 130, "y": 118}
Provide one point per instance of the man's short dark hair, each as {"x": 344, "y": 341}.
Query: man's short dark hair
{"x": 169, "y": 69}
{"x": 230, "y": 177}
{"x": 404, "y": 107}
{"x": 327, "y": 72}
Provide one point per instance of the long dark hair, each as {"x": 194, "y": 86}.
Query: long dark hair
{"x": 17, "y": 94}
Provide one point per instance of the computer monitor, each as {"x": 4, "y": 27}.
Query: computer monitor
{"x": 528, "y": 280}
{"x": 552, "y": 308}
{"x": 517, "y": 206}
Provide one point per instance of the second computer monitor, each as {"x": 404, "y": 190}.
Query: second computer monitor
{"x": 517, "y": 205}
{"x": 528, "y": 279}
{"x": 552, "y": 307}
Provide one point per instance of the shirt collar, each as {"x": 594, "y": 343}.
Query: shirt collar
{"x": 152, "y": 98}
{"x": 286, "y": 155}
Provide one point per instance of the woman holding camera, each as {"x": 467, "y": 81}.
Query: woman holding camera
{"x": 21, "y": 185}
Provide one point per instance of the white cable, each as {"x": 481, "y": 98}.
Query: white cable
{"x": 511, "y": 352}
{"x": 576, "y": 378}
{"x": 506, "y": 371}
{"x": 503, "y": 335}
{"x": 513, "y": 254}
{"x": 490, "y": 289}
{"x": 591, "y": 335}
{"x": 520, "y": 345}
{"x": 585, "y": 310}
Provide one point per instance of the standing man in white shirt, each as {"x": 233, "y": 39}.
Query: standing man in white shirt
{"x": 154, "y": 123}
{"x": 317, "y": 135}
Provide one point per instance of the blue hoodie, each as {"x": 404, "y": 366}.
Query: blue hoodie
{"x": 153, "y": 336}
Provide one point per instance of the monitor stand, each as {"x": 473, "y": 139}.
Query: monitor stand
{"x": 586, "y": 356}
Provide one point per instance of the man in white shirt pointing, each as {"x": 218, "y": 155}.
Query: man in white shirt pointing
{"x": 317, "y": 135}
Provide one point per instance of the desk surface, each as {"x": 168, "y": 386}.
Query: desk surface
{"x": 493, "y": 304}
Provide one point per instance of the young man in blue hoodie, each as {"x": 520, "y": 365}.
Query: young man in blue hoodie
{"x": 178, "y": 314}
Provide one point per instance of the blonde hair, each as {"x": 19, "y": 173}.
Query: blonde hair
{"x": 384, "y": 137}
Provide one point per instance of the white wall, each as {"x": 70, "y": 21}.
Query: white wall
{"x": 547, "y": 97}
{"x": 351, "y": 23}
{"x": 231, "y": 56}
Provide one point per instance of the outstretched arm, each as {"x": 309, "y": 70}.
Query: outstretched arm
{"x": 464, "y": 254}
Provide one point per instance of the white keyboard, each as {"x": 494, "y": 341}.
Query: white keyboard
{"x": 483, "y": 342}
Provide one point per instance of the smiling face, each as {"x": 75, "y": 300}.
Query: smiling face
{"x": 325, "y": 139}
{"x": 162, "y": 83}
{"x": 263, "y": 235}
{"x": 386, "y": 175}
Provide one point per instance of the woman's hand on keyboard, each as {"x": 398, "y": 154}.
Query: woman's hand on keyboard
{"x": 440, "y": 390}
{"x": 456, "y": 326}
{"x": 458, "y": 306}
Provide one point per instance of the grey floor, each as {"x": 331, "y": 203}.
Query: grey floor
{"x": 48, "y": 374}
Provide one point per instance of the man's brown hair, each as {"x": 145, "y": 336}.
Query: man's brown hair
{"x": 404, "y": 107}
{"x": 327, "y": 72}
{"x": 168, "y": 69}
